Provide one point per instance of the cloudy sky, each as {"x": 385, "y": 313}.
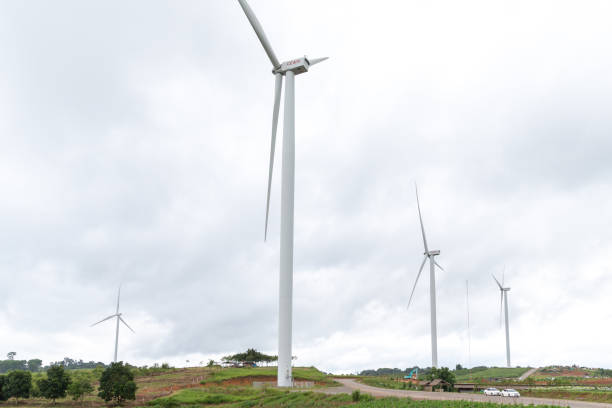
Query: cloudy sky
{"x": 135, "y": 142}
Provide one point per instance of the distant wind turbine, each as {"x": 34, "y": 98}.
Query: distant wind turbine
{"x": 504, "y": 303}
{"x": 429, "y": 254}
{"x": 289, "y": 70}
{"x": 467, "y": 305}
{"x": 118, "y": 316}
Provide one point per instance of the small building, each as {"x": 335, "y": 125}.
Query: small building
{"x": 465, "y": 387}
{"x": 434, "y": 385}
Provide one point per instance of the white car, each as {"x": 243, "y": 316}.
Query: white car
{"x": 492, "y": 391}
{"x": 509, "y": 392}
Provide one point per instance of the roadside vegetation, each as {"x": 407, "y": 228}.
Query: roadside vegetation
{"x": 460, "y": 373}
{"x": 591, "y": 395}
{"x": 246, "y": 397}
{"x": 388, "y": 382}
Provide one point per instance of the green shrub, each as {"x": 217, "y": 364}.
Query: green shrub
{"x": 79, "y": 388}
{"x": 356, "y": 395}
{"x": 167, "y": 403}
{"x": 3, "y": 383}
{"x": 117, "y": 384}
{"x": 18, "y": 384}
{"x": 56, "y": 383}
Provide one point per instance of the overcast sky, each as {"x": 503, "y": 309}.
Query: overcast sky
{"x": 134, "y": 150}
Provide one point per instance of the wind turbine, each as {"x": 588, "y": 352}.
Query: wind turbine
{"x": 469, "y": 336}
{"x": 289, "y": 70}
{"x": 119, "y": 318}
{"x": 504, "y": 301}
{"x": 429, "y": 254}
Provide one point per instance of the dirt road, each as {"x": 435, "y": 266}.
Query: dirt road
{"x": 527, "y": 374}
{"x": 349, "y": 386}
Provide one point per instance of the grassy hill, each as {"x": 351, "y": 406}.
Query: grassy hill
{"x": 299, "y": 373}
{"x": 478, "y": 373}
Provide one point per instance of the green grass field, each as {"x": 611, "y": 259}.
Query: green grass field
{"x": 580, "y": 395}
{"x": 492, "y": 372}
{"x": 385, "y": 382}
{"x": 299, "y": 373}
{"x": 246, "y": 397}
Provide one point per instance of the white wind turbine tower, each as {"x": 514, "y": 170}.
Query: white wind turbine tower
{"x": 429, "y": 254}
{"x": 289, "y": 70}
{"x": 118, "y": 316}
{"x": 504, "y": 301}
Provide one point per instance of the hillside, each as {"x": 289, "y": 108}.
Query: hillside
{"x": 485, "y": 373}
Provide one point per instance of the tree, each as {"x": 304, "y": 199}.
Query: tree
{"x": 34, "y": 365}
{"x": 443, "y": 374}
{"x": 12, "y": 365}
{"x": 18, "y": 384}
{"x": 56, "y": 383}
{"x": 79, "y": 388}
{"x": 3, "y": 393}
{"x": 117, "y": 384}
{"x": 211, "y": 363}
{"x": 250, "y": 356}
{"x": 458, "y": 367}
{"x": 11, "y": 355}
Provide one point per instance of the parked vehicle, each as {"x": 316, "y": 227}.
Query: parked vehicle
{"x": 509, "y": 392}
{"x": 492, "y": 391}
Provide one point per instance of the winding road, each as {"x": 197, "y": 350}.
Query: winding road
{"x": 349, "y": 385}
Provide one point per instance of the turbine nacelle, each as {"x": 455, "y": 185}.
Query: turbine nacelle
{"x": 298, "y": 65}
{"x": 433, "y": 252}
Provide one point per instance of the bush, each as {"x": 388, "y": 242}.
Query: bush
{"x": 79, "y": 388}
{"x": 56, "y": 383}
{"x": 356, "y": 395}
{"x": 166, "y": 403}
{"x": 18, "y": 384}
{"x": 117, "y": 384}
{"x": 3, "y": 382}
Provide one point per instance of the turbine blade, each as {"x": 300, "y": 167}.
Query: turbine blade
{"x": 441, "y": 268}
{"x": 421, "y": 218}
{"x": 103, "y": 320}
{"x": 260, "y": 32}
{"x": 315, "y": 61}
{"x": 128, "y": 326}
{"x": 416, "y": 281}
{"x": 498, "y": 284}
{"x": 278, "y": 86}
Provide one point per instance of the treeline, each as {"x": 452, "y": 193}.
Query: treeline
{"x": 116, "y": 383}
{"x": 71, "y": 364}
{"x": 395, "y": 371}
{"x": 35, "y": 365}
{"x": 604, "y": 372}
